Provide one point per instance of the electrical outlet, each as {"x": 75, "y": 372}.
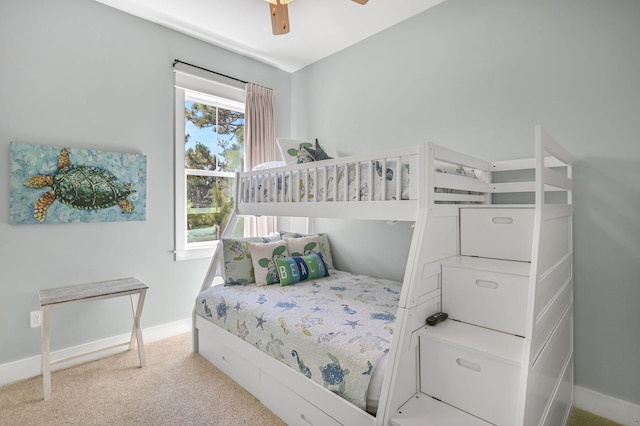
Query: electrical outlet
{"x": 35, "y": 319}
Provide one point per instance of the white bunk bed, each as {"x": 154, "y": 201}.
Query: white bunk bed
{"x": 503, "y": 273}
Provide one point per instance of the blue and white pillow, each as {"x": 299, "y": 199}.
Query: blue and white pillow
{"x": 299, "y": 268}
{"x": 238, "y": 267}
{"x": 317, "y": 153}
{"x": 293, "y": 151}
{"x": 263, "y": 257}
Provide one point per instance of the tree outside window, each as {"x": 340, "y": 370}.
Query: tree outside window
{"x": 214, "y": 151}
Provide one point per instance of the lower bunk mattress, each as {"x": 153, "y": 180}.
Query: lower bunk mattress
{"x": 335, "y": 330}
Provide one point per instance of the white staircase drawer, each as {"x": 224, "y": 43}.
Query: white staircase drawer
{"x": 489, "y": 299}
{"x": 423, "y": 410}
{"x": 482, "y": 382}
{"x": 499, "y": 233}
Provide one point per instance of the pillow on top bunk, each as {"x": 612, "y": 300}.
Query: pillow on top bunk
{"x": 317, "y": 153}
{"x": 263, "y": 257}
{"x": 299, "y": 268}
{"x": 454, "y": 169}
{"x": 303, "y": 245}
{"x": 238, "y": 268}
{"x": 293, "y": 151}
{"x": 268, "y": 165}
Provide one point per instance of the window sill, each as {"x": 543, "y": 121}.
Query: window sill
{"x": 194, "y": 253}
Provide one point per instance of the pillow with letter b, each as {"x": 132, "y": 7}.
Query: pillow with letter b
{"x": 299, "y": 268}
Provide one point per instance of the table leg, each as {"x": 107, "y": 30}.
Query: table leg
{"x": 134, "y": 302}
{"x": 46, "y": 364}
{"x": 136, "y": 333}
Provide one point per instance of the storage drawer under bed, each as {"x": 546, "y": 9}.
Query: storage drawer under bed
{"x": 290, "y": 406}
{"x": 499, "y": 233}
{"x": 229, "y": 361}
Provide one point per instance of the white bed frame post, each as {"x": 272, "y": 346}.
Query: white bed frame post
{"x": 215, "y": 269}
{"x": 401, "y": 383}
{"x": 549, "y": 322}
{"x": 435, "y": 237}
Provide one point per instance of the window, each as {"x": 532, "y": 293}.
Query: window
{"x": 209, "y": 149}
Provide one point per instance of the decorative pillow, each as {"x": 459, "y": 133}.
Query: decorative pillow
{"x": 318, "y": 243}
{"x": 377, "y": 165}
{"x": 294, "y": 269}
{"x": 238, "y": 268}
{"x": 263, "y": 257}
{"x": 317, "y": 153}
{"x": 293, "y": 152}
{"x": 269, "y": 165}
{"x": 454, "y": 169}
{"x": 287, "y": 234}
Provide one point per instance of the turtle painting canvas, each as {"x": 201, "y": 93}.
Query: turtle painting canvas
{"x": 63, "y": 185}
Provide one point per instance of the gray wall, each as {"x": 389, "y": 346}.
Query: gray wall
{"x": 477, "y": 76}
{"x": 80, "y": 74}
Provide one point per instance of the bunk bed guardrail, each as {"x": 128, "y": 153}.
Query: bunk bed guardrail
{"x": 391, "y": 185}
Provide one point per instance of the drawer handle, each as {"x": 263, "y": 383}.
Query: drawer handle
{"x": 487, "y": 284}
{"x": 502, "y": 220}
{"x": 468, "y": 364}
{"x": 304, "y": 419}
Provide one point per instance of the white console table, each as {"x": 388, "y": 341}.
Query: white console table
{"x": 84, "y": 293}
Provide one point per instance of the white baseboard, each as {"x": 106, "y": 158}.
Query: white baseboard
{"x": 31, "y": 367}
{"x": 606, "y": 406}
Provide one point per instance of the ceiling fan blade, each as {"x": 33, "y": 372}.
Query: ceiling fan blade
{"x": 279, "y": 18}
{"x": 361, "y": 1}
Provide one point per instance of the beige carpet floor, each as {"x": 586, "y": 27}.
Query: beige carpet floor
{"x": 177, "y": 388}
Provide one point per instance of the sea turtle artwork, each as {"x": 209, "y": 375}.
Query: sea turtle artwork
{"x": 80, "y": 187}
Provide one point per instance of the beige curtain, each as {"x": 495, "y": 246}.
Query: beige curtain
{"x": 260, "y": 146}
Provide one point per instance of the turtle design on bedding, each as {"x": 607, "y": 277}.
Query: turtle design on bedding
{"x": 79, "y": 187}
{"x": 333, "y": 375}
{"x": 222, "y": 309}
{"x": 274, "y": 347}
